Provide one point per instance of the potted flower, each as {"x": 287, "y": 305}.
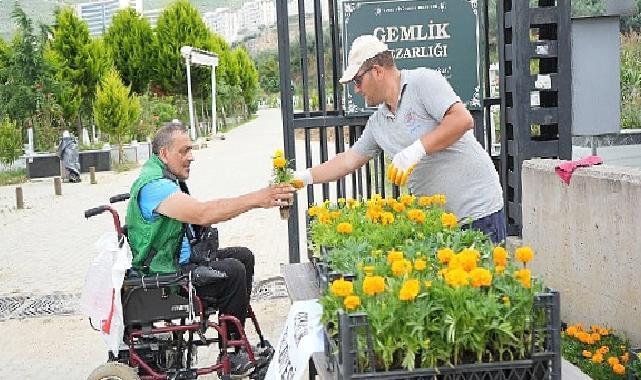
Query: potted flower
{"x": 282, "y": 173}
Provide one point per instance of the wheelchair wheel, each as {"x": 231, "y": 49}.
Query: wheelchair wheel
{"x": 113, "y": 371}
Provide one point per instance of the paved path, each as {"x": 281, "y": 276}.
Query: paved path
{"x": 46, "y": 249}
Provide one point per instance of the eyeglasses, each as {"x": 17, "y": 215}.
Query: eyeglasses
{"x": 358, "y": 80}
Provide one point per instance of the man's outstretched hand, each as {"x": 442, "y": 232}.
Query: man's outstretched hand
{"x": 404, "y": 162}
{"x": 275, "y": 195}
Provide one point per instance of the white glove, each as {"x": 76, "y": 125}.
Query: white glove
{"x": 404, "y": 162}
{"x": 305, "y": 176}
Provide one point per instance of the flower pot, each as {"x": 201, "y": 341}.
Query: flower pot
{"x": 284, "y": 212}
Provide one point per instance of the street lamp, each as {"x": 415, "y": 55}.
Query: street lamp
{"x": 201, "y": 58}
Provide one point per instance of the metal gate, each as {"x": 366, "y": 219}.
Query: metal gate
{"x": 321, "y": 117}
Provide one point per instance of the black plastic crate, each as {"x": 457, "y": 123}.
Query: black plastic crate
{"x": 324, "y": 274}
{"x": 544, "y": 361}
{"x": 634, "y": 352}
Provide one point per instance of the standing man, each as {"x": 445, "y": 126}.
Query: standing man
{"x": 162, "y": 218}
{"x": 424, "y": 126}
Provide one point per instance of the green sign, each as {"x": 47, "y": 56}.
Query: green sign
{"x": 441, "y": 35}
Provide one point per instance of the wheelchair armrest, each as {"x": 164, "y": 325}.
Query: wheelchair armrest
{"x": 134, "y": 279}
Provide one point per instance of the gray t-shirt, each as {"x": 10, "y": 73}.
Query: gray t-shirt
{"x": 463, "y": 171}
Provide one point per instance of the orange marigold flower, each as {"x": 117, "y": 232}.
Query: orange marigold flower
{"x": 524, "y": 254}
{"x": 612, "y": 360}
{"x": 481, "y": 277}
{"x": 468, "y": 258}
{"x": 597, "y": 358}
{"x": 587, "y": 354}
{"x": 398, "y": 207}
{"x": 604, "y": 349}
{"x": 420, "y": 264}
{"x": 457, "y": 278}
{"x": 499, "y": 269}
{"x": 279, "y": 162}
{"x": 439, "y": 199}
{"x": 342, "y": 288}
{"x": 297, "y": 183}
{"x": 524, "y": 276}
{"x": 409, "y": 290}
{"x": 344, "y": 228}
{"x": 571, "y": 331}
{"x": 449, "y": 220}
{"x": 351, "y": 302}
{"x": 373, "y": 285}
{"x": 604, "y": 331}
{"x": 401, "y": 267}
{"x": 499, "y": 255}
{"x": 387, "y": 218}
{"x": 424, "y": 201}
{"x": 407, "y": 199}
{"x": 393, "y": 255}
{"x": 416, "y": 215}
{"x": 619, "y": 369}
{"x": 625, "y": 357}
{"x": 444, "y": 255}
{"x": 595, "y": 337}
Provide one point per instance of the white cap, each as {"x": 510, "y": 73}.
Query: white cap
{"x": 65, "y": 133}
{"x": 363, "y": 48}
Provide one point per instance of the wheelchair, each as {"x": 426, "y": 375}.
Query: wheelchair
{"x": 165, "y": 323}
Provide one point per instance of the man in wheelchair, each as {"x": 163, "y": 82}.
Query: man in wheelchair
{"x": 168, "y": 230}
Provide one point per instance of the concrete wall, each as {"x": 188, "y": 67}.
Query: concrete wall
{"x": 586, "y": 237}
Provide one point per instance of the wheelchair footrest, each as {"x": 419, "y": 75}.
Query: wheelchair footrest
{"x": 182, "y": 374}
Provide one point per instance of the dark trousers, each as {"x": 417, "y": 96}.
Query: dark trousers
{"x": 231, "y": 294}
{"x": 492, "y": 225}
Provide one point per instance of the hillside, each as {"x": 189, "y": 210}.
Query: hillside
{"x": 41, "y": 11}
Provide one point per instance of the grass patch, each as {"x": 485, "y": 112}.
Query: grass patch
{"x": 124, "y": 166}
{"x": 12, "y": 177}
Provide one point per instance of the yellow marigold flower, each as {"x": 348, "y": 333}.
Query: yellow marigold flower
{"x": 341, "y": 288}
{"x": 449, "y": 220}
{"x": 612, "y": 360}
{"x": 373, "y": 285}
{"x": 587, "y": 354}
{"x": 468, "y": 258}
{"x": 351, "y": 302}
{"x": 424, "y": 201}
{"x": 373, "y": 214}
{"x": 401, "y": 267}
{"x": 313, "y": 211}
{"x": 393, "y": 255}
{"x": 571, "y": 331}
{"x": 387, "y": 218}
{"x": 444, "y": 255}
{"x": 499, "y": 269}
{"x": 619, "y": 369}
{"x": 481, "y": 277}
{"x": 279, "y": 162}
{"x": 457, "y": 278}
{"x": 499, "y": 254}
{"x": 324, "y": 218}
{"x": 420, "y": 264}
{"x": 407, "y": 199}
{"x": 398, "y": 207}
{"x": 597, "y": 358}
{"x": 416, "y": 215}
{"x": 340, "y": 201}
{"x": 427, "y": 283}
{"x": 344, "y": 228}
{"x": 439, "y": 199}
{"x": 506, "y": 300}
{"x": 368, "y": 269}
{"x": 524, "y": 254}
{"x": 595, "y": 337}
{"x": 279, "y": 153}
{"x": 524, "y": 276}
{"x": 352, "y": 203}
{"x": 376, "y": 253}
{"x": 409, "y": 290}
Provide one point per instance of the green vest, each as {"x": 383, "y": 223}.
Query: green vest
{"x": 163, "y": 235}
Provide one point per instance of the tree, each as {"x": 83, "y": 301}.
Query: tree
{"x": 268, "y": 72}
{"x": 155, "y": 111}
{"x": 72, "y": 52}
{"x": 248, "y": 76}
{"x": 10, "y": 141}
{"x": 115, "y": 111}
{"x": 130, "y": 43}
{"x": 179, "y": 25}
